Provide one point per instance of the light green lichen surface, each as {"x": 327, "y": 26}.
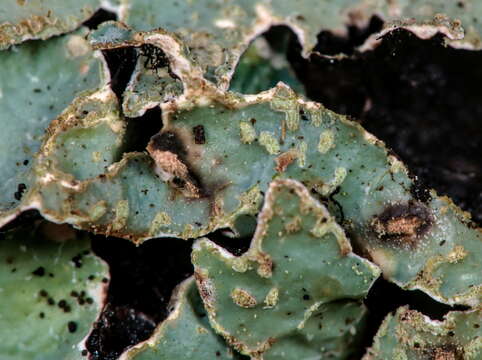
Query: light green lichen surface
{"x": 299, "y": 259}
{"x": 408, "y": 335}
{"x": 50, "y": 75}
{"x": 52, "y": 289}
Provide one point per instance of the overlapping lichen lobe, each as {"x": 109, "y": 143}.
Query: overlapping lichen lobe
{"x": 402, "y": 224}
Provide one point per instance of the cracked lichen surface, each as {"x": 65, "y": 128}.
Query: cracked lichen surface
{"x": 184, "y": 334}
{"x": 22, "y": 20}
{"x": 51, "y": 74}
{"x": 298, "y": 260}
{"x": 52, "y": 289}
{"x": 408, "y": 334}
{"x": 218, "y": 33}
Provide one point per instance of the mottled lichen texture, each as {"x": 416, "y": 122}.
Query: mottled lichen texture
{"x": 241, "y": 149}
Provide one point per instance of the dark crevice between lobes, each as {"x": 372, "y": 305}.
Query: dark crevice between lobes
{"x": 421, "y": 98}
{"x": 140, "y": 130}
{"x": 330, "y": 44}
{"x": 100, "y": 16}
{"x": 24, "y": 219}
{"x": 227, "y": 240}
{"x": 385, "y": 298}
{"x": 121, "y": 63}
{"x": 142, "y": 280}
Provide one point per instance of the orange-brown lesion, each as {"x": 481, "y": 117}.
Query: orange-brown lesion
{"x": 403, "y": 223}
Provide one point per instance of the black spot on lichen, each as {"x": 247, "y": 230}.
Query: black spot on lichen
{"x": 402, "y": 223}
{"x": 77, "y": 260}
{"x": 72, "y": 326}
{"x": 199, "y": 136}
{"x": 40, "y": 271}
{"x": 20, "y": 190}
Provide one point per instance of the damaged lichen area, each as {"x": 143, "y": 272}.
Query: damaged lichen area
{"x": 218, "y": 33}
{"x": 22, "y": 20}
{"x": 408, "y": 334}
{"x": 51, "y": 74}
{"x": 274, "y": 293}
{"x": 184, "y": 334}
{"x": 52, "y": 289}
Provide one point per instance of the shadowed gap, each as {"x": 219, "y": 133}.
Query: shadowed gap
{"x": 142, "y": 280}
{"x": 98, "y": 18}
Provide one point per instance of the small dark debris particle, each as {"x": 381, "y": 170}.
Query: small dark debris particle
{"x": 62, "y": 304}
{"x": 43, "y": 293}
{"x": 451, "y": 333}
{"x": 51, "y": 275}
{"x": 476, "y": 326}
{"x": 416, "y": 345}
{"x": 72, "y": 326}
{"x": 89, "y": 300}
{"x": 442, "y": 243}
{"x": 40, "y": 271}
{"x": 51, "y": 301}
{"x": 199, "y": 135}
{"x": 25, "y": 162}
{"x": 41, "y": 315}
{"x": 20, "y": 190}
{"x": 37, "y": 90}
{"x": 84, "y": 352}
{"x": 91, "y": 277}
{"x": 105, "y": 280}
{"x": 14, "y": 270}
{"x": 77, "y": 260}
{"x": 218, "y": 353}
{"x": 306, "y": 297}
